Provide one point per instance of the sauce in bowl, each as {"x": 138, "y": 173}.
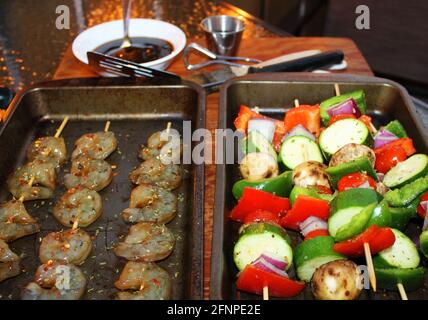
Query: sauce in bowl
{"x": 143, "y": 49}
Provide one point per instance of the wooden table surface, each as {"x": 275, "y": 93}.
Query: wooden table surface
{"x": 260, "y": 48}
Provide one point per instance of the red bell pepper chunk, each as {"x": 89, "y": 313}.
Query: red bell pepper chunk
{"x": 421, "y": 209}
{"x": 307, "y": 116}
{"x": 342, "y": 116}
{"x": 405, "y": 143}
{"x": 317, "y": 233}
{"x": 253, "y": 199}
{"x": 261, "y": 216}
{"x": 378, "y": 239}
{"x": 246, "y": 114}
{"x": 253, "y": 280}
{"x": 303, "y": 208}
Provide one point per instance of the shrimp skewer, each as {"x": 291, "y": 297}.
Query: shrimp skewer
{"x": 146, "y": 242}
{"x": 150, "y": 204}
{"x": 78, "y": 203}
{"x": 90, "y": 173}
{"x": 143, "y": 281}
{"x": 56, "y": 281}
{"x": 70, "y": 246}
{"x": 15, "y": 222}
{"x": 153, "y": 171}
{"x": 9, "y": 262}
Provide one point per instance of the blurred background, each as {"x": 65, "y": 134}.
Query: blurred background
{"x": 395, "y": 46}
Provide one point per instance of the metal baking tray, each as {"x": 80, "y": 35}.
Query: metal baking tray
{"x": 135, "y": 110}
{"x": 273, "y": 94}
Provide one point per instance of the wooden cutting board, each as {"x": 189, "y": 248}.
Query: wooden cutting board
{"x": 260, "y": 48}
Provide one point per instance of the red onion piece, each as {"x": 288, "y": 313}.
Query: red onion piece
{"x": 346, "y": 107}
{"x": 311, "y": 224}
{"x": 383, "y": 137}
{"x": 281, "y": 264}
{"x": 380, "y": 176}
{"x": 269, "y": 267}
{"x": 300, "y": 130}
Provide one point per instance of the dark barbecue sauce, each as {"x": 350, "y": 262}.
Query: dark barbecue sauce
{"x": 143, "y": 49}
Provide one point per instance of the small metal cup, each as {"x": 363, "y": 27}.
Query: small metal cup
{"x": 223, "y": 34}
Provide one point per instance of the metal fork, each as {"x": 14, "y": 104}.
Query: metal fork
{"x": 125, "y": 68}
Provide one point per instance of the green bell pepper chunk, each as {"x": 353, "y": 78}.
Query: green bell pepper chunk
{"x": 405, "y": 195}
{"x": 412, "y": 279}
{"x": 311, "y": 192}
{"x": 280, "y": 185}
{"x": 381, "y": 216}
{"x": 423, "y": 241}
{"x": 396, "y": 128}
{"x": 357, "y": 224}
{"x": 358, "y": 96}
{"x": 358, "y": 165}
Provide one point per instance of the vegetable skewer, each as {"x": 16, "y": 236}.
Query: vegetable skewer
{"x": 367, "y": 253}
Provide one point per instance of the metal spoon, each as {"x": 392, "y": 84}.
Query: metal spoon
{"x": 126, "y": 4}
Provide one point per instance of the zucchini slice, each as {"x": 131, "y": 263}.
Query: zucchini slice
{"x": 402, "y": 254}
{"x": 313, "y": 253}
{"x": 412, "y": 279}
{"x": 258, "y": 238}
{"x": 298, "y": 149}
{"x": 343, "y": 132}
{"x": 256, "y": 142}
{"x": 404, "y": 172}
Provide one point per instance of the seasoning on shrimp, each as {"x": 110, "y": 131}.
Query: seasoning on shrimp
{"x": 94, "y": 174}
{"x": 98, "y": 145}
{"x": 15, "y": 222}
{"x": 150, "y": 204}
{"x": 9, "y": 262}
{"x": 146, "y": 242}
{"x": 78, "y": 203}
{"x": 69, "y": 246}
{"x": 143, "y": 281}
{"x": 43, "y": 175}
{"x": 153, "y": 171}
{"x": 48, "y": 148}
{"x": 56, "y": 281}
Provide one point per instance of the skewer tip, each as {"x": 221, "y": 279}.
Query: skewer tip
{"x": 402, "y": 291}
{"x": 61, "y": 127}
{"x": 337, "y": 89}
{"x": 107, "y": 126}
{"x": 296, "y": 103}
{"x": 265, "y": 293}
{"x": 372, "y": 275}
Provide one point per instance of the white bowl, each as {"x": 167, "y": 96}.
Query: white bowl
{"x": 94, "y": 37}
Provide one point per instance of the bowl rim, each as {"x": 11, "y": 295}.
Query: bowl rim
{"x": 182, "y": 40}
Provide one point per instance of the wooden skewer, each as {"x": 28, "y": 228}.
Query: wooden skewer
{"x": 337, "y": 89}
{"x": 265, "y": 293}
{"x": 76, "y": 222}
{"x": 256, "y": 109}
{"x": 61, "y": 127}
{"x": 402, "y": 291}
{"x": 168, "y": 127}
{"x": 296, "y": 103}
{"x": 30, "y": 183}
{"x": 369, "y": 261}
{"x": 107, "y": 126}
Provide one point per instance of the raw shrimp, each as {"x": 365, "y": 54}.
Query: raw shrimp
{"x": 98, "y": 145}
{"x": 90, "y": 173}
{"x": 145, "y": 281}
{"x": 69, "y": 246}
{"x": 56, "y": 281}
{"x": 157, "y": 141}
{"x": 15, "y": 222}
{"x": 150, "y": 204}
{"x": 9, "y": 262}
{"x": 146, "y": 242}
{"x": 153, "y": 171}
{"x": 48, "y": 148}
{"x": 78, "y": 203}
{"x": 44, "y": 175}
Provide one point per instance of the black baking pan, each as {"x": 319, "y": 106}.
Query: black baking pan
{"x": 274, "y": 94}
{"x": 135, "y": 110}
